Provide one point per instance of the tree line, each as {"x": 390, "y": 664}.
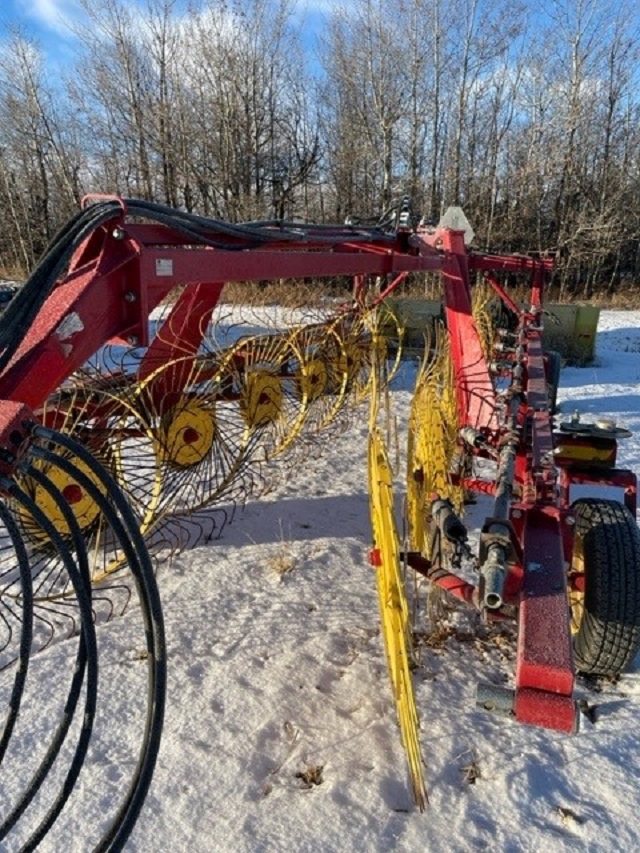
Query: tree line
{"x": 526, "y": 114}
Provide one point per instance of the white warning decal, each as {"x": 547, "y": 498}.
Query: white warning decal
{"x": 69, "y": 326}
{"x": 164, "y": 266}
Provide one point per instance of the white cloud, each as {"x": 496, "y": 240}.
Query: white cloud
{"x": 56, "y": 15}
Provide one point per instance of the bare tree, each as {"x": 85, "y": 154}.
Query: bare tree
{"x": 216, "y": 107}
{"x": 40, "y": 162}
{"x": 366, "y": 96}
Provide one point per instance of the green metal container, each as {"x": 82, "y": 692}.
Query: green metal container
{"x": 414, "y": 318}
{"x": 570, "y": 329}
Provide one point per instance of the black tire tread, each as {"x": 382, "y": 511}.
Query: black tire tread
{"x": 608, "y": 637}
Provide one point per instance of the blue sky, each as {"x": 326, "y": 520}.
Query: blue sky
{"x": 49, "y": 22}
{"x": 46, "y": 20}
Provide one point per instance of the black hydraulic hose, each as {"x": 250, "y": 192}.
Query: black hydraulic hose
{"x": 86, "y": 660}
{"x": 126, "y": 528}
{"x": 261, "y": 231}
{"x": 59, "y": 252}
{"x": 26, "y": 304}
{"x": 197, "y": 235}
{"x": 159, "y": 212}
{"x": 77, "y": 761}
{"x": 26, "y": 633}
{"x": 298, "y": 228}
{"x": 252, "y": 235}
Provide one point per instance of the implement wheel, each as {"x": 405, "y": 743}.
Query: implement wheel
{"x": 606, "y": 616}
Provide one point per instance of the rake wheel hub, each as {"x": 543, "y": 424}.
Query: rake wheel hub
{"x": 84, "y": 508}
{"x": 312, "y": 380}
{"x": 190, "y": 435}
{"x": 261, "y": 399}
{"x": 72, "y": 493}
{"x": 189, "y": 432}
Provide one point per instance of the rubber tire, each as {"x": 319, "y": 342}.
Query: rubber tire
{"x": 608, "y": 637}
{"x": 552, "y": 372}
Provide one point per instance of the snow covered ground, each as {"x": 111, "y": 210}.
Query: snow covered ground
{"x": 281, "y": 733}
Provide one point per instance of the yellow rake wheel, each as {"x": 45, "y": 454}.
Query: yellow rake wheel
{"x": 311, "y": 372}
{"x": 394, "y": 611}
{"x": 187, "y": 433}
{"x": 276, "y": 389}
{"x": 199, "y": 447}
{"x": 363, "y": 350}
{"x": 326, "y": 347}
{"x": 432, "y": 443}
{"x": 351, "y": 359}
{"x": 312, "y": 379}
{"x": 315, "y": 385}
{"x": 98, "y": 409}
{"x": 356, "y": 358}
{"x": 389, "y": 334}
{"x": 83, "y": 507}
{"x": 120, "y": 430}
{"x": 261, "y": 398}
{"x": 254, "y": 368}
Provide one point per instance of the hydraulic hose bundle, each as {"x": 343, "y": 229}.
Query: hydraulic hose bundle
{"x": 62, "y": 761}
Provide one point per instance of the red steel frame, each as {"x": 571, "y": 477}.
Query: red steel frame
{"x": 125, "y": 269}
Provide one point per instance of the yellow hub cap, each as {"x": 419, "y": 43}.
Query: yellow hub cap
{"x": 188, "y": 433}
{"x": 350, "y": 360}
{"x": 82, "y": 505}
{"x": 311, "y": 381}
{"x": 261, "y": 398}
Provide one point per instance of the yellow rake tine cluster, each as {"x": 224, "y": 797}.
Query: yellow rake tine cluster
{"x": 481, "y": 300}
{"x": 394, "y": 610}
{"x": 388, "y": 319}
{"x": 197, "y": 430}
{"x": 432, "y": 440}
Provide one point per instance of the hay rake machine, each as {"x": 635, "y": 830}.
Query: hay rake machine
{"x": 110, "y": 434}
